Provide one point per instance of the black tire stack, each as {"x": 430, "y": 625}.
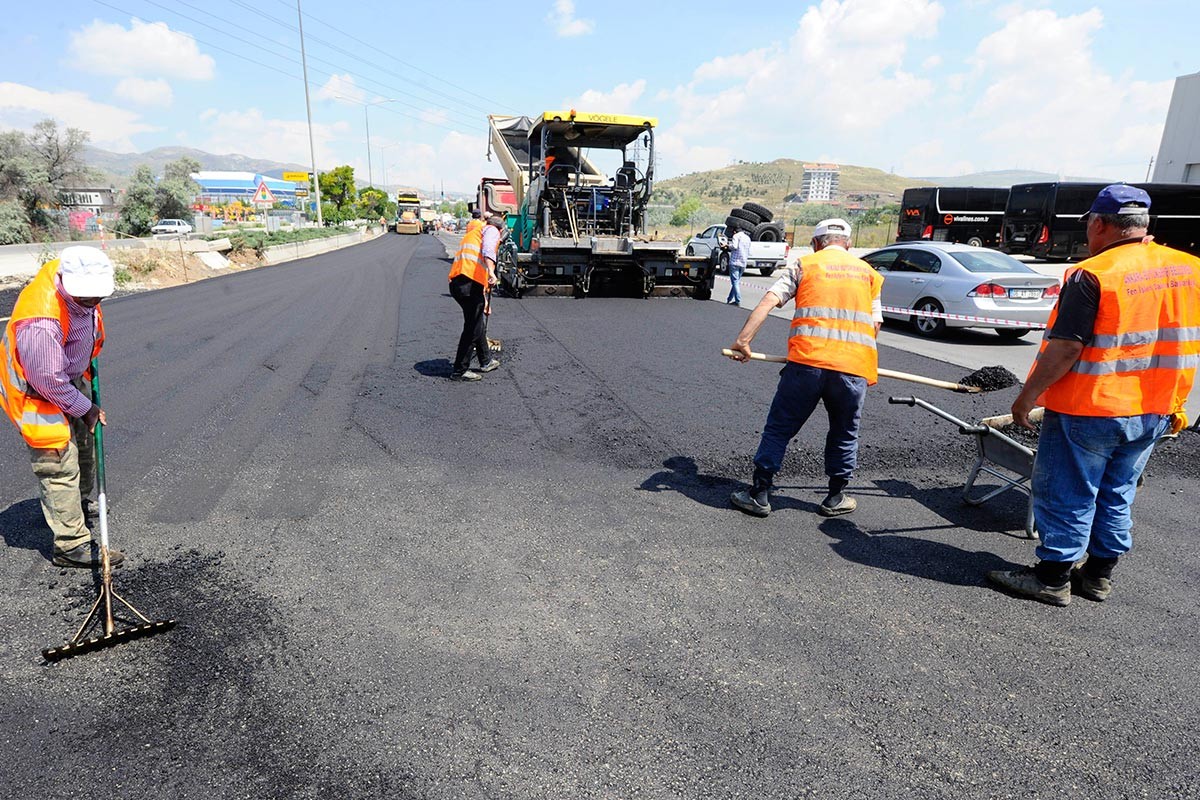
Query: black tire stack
{"x": 755, "y": 220}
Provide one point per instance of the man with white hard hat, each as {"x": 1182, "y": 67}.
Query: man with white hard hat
{"x": 55, "y": 331}
{"x": 831, "y": 360}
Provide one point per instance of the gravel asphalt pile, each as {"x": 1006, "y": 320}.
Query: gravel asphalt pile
{"x": 391, "y": 585}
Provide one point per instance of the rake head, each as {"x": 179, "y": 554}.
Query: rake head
{"x": 118, "y": 636}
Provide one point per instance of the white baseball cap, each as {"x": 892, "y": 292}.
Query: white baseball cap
{"x": 85, "y": 272}
{"x": 836, "y": 226}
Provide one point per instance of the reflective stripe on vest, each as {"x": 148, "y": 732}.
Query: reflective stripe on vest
{"x": 467, "y": 261}
{"x": 1145, "y": 349}
{"x": 42, "y": 424}
{"x": 832, "y": 327}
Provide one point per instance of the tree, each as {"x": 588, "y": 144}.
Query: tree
{"x": 35, "y": 167}
{"x": 14, "y": 225}
{"x": 685, "y": 211}
{"x": 138, "y": 205}
{"x": 337, "y": 187}
{"x": 373, "y": 203}
{"x": 174, "y": 194}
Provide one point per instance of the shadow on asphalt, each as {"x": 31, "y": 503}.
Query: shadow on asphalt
{"x": 910, "y": 555}
{"x": 434, "y": 368}
{"x": 683, "y": 476}
{"x": 23, "y": 526}
{"x": 1004, "y": 513}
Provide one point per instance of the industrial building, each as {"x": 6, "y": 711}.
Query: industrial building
{"x": 819, "y": 183}
{"x": 1179, "y": 154}
{"x": 217, "y": 188}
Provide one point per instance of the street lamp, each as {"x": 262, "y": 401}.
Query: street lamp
{"x": 382, "y": 150}
{"x": 367, "y": 118}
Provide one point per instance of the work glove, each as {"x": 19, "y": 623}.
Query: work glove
{"x": 1179, "y": 421}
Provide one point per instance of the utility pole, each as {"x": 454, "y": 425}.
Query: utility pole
{"x": 370, "y": 174}
{"x": 312, "y": 148}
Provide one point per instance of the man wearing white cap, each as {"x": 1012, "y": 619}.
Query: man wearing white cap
{"x": 831, "y": 359}
{"x": 55, "y": 331}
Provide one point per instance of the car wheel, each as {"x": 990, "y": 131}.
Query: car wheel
{"x": 691, "y": 251}
{"x": 975, "y": 241}
{"x": 723, "y": 264}
{"x": 767, "y": 271}
{"x": 749, "y": 216}
{"x": 928, "y": 326}
{"x": 1011, "y": 334}
{"x": 764, "y": 213}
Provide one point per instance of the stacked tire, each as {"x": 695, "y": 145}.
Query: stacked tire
{"x": 757, "y": 221}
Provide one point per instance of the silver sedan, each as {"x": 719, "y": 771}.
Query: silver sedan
{"x": 959, "y": 279}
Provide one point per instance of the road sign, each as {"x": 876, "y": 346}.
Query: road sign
{"x": 263, "y": 195}
{"x": 302, "y": 193}
{"x": 297, "y": 177}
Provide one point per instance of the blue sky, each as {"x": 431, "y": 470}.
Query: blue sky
{"x": 924, "y": 87}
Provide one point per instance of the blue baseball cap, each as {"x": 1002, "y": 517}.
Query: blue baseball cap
{"x": 1119, "y": 198}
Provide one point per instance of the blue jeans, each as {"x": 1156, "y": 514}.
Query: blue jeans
{"x": 1084, "y": 479}
{"x": 800, "y": 388}
{"x": 735, "y": 279}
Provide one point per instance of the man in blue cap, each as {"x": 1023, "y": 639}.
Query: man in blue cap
{"x": 1114, "y": 371}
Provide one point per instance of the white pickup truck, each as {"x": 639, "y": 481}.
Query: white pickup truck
{"x": 766, "y": 257}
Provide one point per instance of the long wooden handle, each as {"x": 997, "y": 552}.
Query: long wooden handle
{"x": 886, "y": 373}
{"x": 1035, "y": 415}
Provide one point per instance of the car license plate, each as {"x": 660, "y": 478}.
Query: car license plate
{"x": 762, "y": 263}
{"x": 1018, "y": 238}
{"x": 1025, "y": 294}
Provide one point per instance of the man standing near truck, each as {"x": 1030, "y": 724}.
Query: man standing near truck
{"x": 831, "y": 359}
{"x": 1114, "y": 371}
{"x": 738, "y": 245}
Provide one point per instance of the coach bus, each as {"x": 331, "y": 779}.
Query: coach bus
{"x": 1042, "y": 219}
{"x": 964, "y": 214}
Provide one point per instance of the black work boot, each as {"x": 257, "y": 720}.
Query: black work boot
{"x": 837, "y": 502}
{"x": 1093, "y": 580}
{"x": 757, "y": 500}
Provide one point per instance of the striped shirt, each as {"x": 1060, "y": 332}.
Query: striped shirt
{"x": 739, "y": 249}
{"x": 51, "y": 364}
{"x": 491, "y": 242}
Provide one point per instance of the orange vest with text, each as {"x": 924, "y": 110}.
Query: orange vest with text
{"x": 467, "y": 260}
{"x": 1145, "y": 346}
{"x": 833, "y": 327}
{"x": 42, "y": 424}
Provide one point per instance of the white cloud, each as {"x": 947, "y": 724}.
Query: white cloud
{"x": 342, "y": 89}
{"x": 620, "y": 100}
{"x": 144, "y": 92}
{"x": 434, "y": 116}
{"x": 1060, "y": 112}
{"x": 147, "y": 49}
{"x": 251, "y": 133}
{"x": 110, "y": 127}
{"x": 456, "y": 160}
{"x": 562, "y": 18}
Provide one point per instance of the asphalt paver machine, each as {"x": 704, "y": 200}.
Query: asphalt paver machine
{"x": 577, "y": 226}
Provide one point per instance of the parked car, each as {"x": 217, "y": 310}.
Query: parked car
{"x": 960, "y": 279}
{"x": 766, "y": 257}
{"x": 176, "y": 226}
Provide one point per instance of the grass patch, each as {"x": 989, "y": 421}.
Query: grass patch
{"x": 258, "y": 240}
{"x": 122, "y": 276}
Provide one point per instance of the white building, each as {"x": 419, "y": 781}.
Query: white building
{"x": 1179, "y": 154}
{"x": 819, "y": 184}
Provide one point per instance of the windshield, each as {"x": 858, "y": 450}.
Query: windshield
{"x": 990, "y": 261}
{"x": 1028, "y": 201}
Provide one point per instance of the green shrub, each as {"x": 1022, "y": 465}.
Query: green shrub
{"x": 121, "y": 276}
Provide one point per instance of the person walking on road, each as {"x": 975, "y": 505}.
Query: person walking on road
{"x": 738, "y": 247}
{"x": 55, "y": 331}
{"x": 831, "y": 359}
{"x": 1114, "y": 372}
{"x": 471, "y": 278}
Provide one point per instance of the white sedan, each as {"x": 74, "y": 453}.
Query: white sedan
{"x": 175, "y": 226}
{"x": 989, "y": 287}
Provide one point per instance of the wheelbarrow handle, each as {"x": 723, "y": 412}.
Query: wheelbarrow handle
{"x": 902, "y": 401}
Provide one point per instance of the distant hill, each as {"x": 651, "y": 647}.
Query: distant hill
{"x": 769, "y": 183}
{"x": 1002, "y": 179}
{"x": 117, "y": 167}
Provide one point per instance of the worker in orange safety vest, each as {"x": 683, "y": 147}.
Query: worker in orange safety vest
{"x": 1114, "y": 372}
{"x": 471, "y": 277}
{"x": 831, "y": 359}
{"x": 56, "y": 329}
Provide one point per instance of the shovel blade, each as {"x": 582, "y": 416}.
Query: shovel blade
{"x": 120, "y": 636}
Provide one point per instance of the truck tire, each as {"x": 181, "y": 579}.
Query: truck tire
{"x": 739, "y": 224}
{"x": 763, "y": 212}
{"x": 748, "y": 216}
{"x": 767, "y": 232}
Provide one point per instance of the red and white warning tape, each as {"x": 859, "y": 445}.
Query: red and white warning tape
{"x": 1010, "y": 323}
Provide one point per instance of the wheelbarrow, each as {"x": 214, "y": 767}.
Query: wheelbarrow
{"x": 998, "y": 455}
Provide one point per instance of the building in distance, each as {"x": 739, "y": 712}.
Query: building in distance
{"x": 819, "y": 183}
{"x": 1179, "y": 153}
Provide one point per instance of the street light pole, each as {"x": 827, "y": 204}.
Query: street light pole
{"x": 367, "y": 117}
{"x": 312, "y": 148}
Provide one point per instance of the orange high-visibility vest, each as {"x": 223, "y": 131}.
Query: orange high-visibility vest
{"x": 833, "y": 327}
{"x": 473, "y": 225}
{"x": 41, "y": 423}
{"x": 466, "y": 260}
{"x": 1145, "y": 346}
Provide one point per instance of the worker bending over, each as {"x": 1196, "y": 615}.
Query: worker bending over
{"x": 1114, "y": 372}
{"x": 831, "y": 358}
{"x": 471, "y": 277}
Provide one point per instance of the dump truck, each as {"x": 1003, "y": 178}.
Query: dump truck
{"x": 577, "y": 227}
{"x": 408, "y": 213}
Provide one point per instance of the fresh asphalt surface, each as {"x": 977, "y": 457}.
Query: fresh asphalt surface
{"x": 390, "y": 585}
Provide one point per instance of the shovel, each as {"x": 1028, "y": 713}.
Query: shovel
{"x": 883, "y": 373}
{"x": 101, "y": 618}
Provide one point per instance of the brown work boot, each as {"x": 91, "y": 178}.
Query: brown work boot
{"x": 85, "y": 556}
{"x": 1084, "y": 585}
{"x": 1025, "y": 582}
